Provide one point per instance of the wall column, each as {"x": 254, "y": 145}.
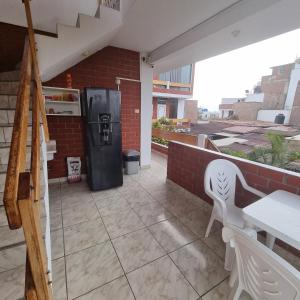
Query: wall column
{"x": 146, "y": 75}
{"x": 180, "y": 109}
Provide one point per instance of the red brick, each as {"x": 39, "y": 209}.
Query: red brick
{"x": 280, "y": 186}
{"x": 293, "y": 180}
{"x": 272, "y": 174}
{"x": 98, "y": 70}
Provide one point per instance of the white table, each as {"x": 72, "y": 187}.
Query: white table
{"x": 277, "y": 214}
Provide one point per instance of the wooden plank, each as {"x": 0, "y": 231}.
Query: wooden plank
{"x": 35, "y": 148}
{"x": 33, "y": 237}
{"x": 36, "y": 68}
{"x": 17, "y": 155}
{"x": 30, "y": 290}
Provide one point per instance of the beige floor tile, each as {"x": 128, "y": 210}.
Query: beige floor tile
{"x": 152, "y": 213}
{"x": 137, "y": 249}
{"x": 11, "y": 258}
{"x": 171, "y": 234}
{"x": 80, "y": 200}
{"x": 180, "y": 206}
{"x": 79, "y": 213}
{"x": 121, "y": 223}
{"x": 55, "y": 219}
{"x": 12, "y": 284}
{"x": 112, "y": 205}
{"x": 215, "y": 242}
{"x": 9, "y": 237}
{"x": 116, "y": 290}
{"x": 160, "y": 280}
{"x": 105, "y": 194}
{"x": 197, "y": 221}
{"x": 59, "y": 279}
{"x": 202, "y": 268}
{"x": 91, "y": 268}
{"x": 84, "y": 235}
{"x": 138, "y": 197}
{"x": 222, "y": 291}
{"x": 57, "y": 244}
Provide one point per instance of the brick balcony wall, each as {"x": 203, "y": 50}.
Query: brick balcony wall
{"x": 187, "y": 165}
{"x": 98, "y": 70}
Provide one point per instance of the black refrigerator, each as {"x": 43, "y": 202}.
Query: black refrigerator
{"x": 101, "y": 110}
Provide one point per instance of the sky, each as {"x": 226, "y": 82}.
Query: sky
{"x": 230, "y": 74}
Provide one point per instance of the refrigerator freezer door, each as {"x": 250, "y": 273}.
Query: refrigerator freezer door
{"x": 104, "y": 138}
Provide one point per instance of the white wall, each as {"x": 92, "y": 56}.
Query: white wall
{"x": 255, "y": 97}
{"x": 180, "y": 109}
{"x": 295, "y": 77}
{"x": 146, "y": 72}
{"x": 229, "y": 100}
{"x": 269, "y": 115}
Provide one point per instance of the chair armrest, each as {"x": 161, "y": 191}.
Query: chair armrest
{"x": 253, "y": 190}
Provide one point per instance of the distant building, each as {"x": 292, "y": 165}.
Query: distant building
{"x": 172, "y": 93}
{"x": 226, "y": 110}
{"x": 276, "y": 97}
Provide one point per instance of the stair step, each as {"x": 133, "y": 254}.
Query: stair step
{"x": 3, "y": 177}
{"x": 7, "y": 116}
{"x": 10, "y": 237}
{"x": 6, "y": 133}
{"x": 10, "y": 76}
{"x": 8, "y": 101}
{"x": 9, "y": 87}
{"x": 4, "y": 157}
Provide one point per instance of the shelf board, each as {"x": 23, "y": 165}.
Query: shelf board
{"x": 65, "y": 115}
{"x": 62, "y": 102}
{"x": 50, "y": 88}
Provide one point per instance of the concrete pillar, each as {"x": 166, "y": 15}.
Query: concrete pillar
{"x": 146, "y": 75}
{"x": 180, "y": 109}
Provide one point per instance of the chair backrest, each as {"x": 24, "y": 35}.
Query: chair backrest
{"x": 220, "y": 180}
{"x": 262, "y": 273}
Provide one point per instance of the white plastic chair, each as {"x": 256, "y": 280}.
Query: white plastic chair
{"x": 261, "y": 273}
{"x": 220, "y": 183}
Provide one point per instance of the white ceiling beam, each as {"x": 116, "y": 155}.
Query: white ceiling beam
{"x": 224, "y": 18}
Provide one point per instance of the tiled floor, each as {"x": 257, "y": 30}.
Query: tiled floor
{"x": 144, "y": 240}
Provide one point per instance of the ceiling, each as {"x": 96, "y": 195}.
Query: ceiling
{"x": 174, "y": 32}
{"x": 149, "y": 24}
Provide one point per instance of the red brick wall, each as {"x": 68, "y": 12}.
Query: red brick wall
{"x": 98, "y": 70}
{"x": 159, "y": 148}
{"x": 187, "y": 164}
{"x": 69, "y": 135}
{"x": 154, "y": 112}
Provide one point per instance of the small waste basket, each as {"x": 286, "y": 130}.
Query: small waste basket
{"x": 131, "y": 160}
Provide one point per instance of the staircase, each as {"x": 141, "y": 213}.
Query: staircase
{"x": 12, "y": 242}
{"x": 75, "y": 43}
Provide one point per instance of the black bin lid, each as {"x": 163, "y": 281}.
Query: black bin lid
{"x": 131, "y": 155}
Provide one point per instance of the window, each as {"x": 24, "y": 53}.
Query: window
{"x": 182, "y": 75}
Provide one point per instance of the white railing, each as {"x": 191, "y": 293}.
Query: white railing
{"x": 114, "y": 4}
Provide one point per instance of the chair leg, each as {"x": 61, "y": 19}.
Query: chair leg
{"x": 270, "y": 241}
{"x": 233, "y": 275}
{"x": 211, "y": 221}
{"x": 235, "y": 292}
{"x": 229, "y": 258}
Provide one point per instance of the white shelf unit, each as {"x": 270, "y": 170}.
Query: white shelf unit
{"x": 62, "y": 101}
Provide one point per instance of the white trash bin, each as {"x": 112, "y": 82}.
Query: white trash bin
{"x": 131, "y": 160}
